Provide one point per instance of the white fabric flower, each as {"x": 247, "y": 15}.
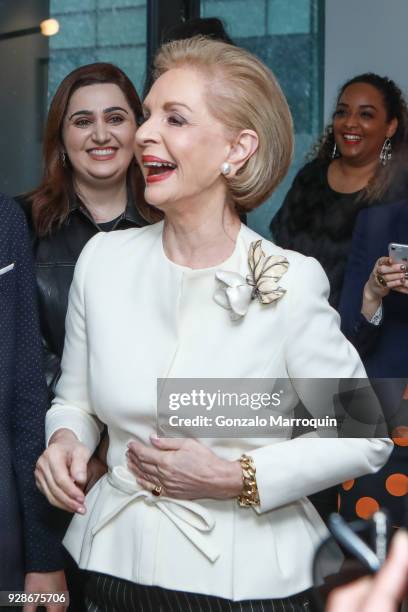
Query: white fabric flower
{"x": 236, "y": 292}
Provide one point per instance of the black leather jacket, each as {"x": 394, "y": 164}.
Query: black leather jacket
{"x": 55, "y": 257}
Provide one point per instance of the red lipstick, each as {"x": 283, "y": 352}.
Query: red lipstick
{"x": 158, "y": 169}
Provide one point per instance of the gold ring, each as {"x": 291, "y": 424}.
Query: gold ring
{"x": 157, "y": 491}
{"x": 380, "y": 279}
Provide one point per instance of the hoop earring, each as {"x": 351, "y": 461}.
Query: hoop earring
{"x": 386, "y": 152}
{"x": 334, "y": 152}
{"x": 225, "y": 168}
{"x": 64, "y": 159}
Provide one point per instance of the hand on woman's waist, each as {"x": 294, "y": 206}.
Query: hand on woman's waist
{"x": 184, "y": 469}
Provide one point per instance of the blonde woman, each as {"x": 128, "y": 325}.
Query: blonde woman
{"x": 163, "y": 530}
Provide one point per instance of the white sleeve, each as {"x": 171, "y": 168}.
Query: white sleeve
{"x": 315, "y": 348}
{"x": 72, "y": 408}
{"x": 377, "y": 317}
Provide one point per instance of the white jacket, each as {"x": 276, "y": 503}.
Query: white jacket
{"x": 135, "y": 316}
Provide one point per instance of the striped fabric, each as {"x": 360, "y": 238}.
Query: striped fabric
{"x": 108, "y": 594}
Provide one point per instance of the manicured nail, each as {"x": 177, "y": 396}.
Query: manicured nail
{"x": 403, "y": 267}
{"x": 406, "y": 275}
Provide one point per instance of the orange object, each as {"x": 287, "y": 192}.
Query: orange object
{"x": 397, "y": 485}
{"x": 366, "y": 506}
{"x": 400, "y": 435}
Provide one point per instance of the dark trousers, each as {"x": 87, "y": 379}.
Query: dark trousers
{"x": 75, "y": 580}
{"x": 108, "y": 594}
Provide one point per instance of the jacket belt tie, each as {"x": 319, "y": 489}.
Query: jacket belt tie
{"x": 189, "y": 517}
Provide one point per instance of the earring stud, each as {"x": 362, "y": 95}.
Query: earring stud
{"x": 225, "y": 168}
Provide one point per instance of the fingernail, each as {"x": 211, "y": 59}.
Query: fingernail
{"x": 403, "y": 267}
{"x": 81, "y": 510}
{"x": 406, "y": 275}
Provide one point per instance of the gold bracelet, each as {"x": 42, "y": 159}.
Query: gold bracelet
{"x": 249, "y": 495}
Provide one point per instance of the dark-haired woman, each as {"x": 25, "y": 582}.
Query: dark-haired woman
{"x": 355, "y": 166}
{"x": 90, "y": 184}
{"x": 358, "y": 164}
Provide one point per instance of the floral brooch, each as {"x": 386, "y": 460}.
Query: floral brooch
{"x": 236, "y": 292}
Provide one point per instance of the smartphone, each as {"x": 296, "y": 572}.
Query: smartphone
{"x": 398, "y": 252}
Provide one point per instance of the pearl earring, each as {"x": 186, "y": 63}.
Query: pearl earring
{"x": 225, "y": 168}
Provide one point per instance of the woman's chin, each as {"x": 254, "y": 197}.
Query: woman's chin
{"x": 106, "y": 175}
{"x": 159, "y": 203}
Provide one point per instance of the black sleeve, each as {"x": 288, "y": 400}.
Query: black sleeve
{"x": 41, "y": 523}
{"x": 52, "y": 368}
{"x": 280, "y": 224}
{"x": 363, "y": 334}
{"x": 283, "y": 224}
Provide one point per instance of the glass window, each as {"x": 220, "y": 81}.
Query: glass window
{"x": 288, "y": 37}
{"x": 98, "y": 31}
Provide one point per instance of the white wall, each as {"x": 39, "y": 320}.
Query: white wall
{"x": 364, "y": 36}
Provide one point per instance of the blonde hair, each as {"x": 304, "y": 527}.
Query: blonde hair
{"x": 242, "y": 94}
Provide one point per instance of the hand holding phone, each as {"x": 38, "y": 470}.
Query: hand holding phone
{"x": 387, "y": 274}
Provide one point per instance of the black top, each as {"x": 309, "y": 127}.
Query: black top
{"x": 29, "y": 538}
{"x": 55, "y": 257}
{"x": 107, "y": 226}
{"x": 318, "y": 222}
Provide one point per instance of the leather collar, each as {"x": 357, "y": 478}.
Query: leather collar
{"x": 131, "y": 213}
